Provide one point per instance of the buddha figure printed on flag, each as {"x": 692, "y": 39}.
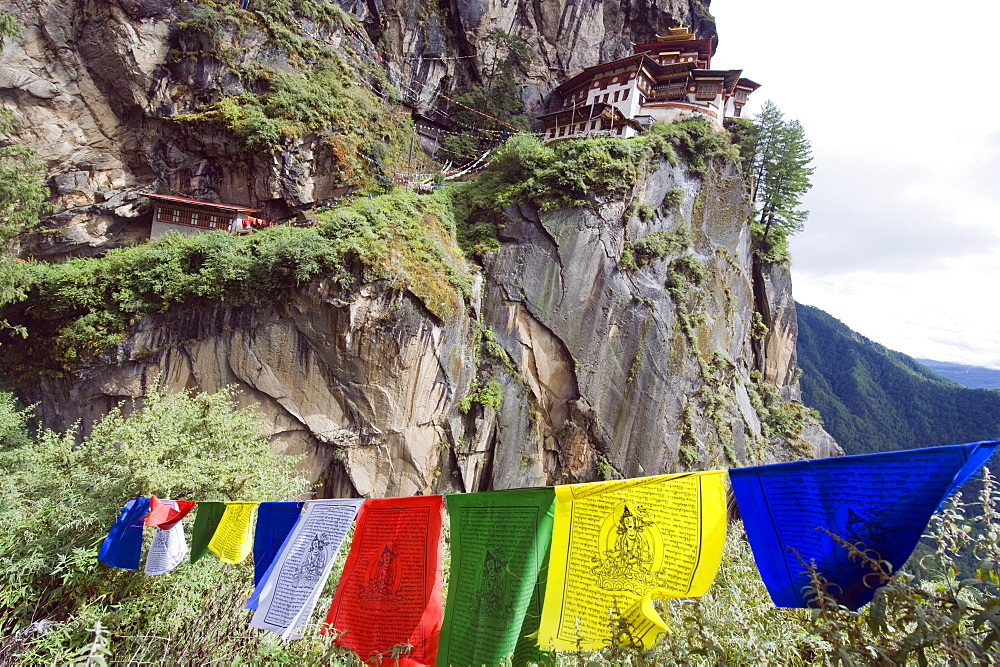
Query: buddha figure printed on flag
{"x": 631, "y": 551}
{"x": 380, "y": 591}
{"x": 493, "y": 603}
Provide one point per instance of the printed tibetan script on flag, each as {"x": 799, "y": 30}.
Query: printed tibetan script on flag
{"x": 288, "y": 594}
{"x": 168, "y": 547}
{"x": 233, "y": 537}
{"x": 499, "y": 543}
{"x": 617, "y": 545}
{"x": 882, "y": 501}
{"x": 389, "y": 595}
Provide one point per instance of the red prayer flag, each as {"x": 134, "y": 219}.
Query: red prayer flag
{"x": 390, "y": 592}
{"x": 165, "y": 516}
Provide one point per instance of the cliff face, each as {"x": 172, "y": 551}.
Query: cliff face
{"x": 106, "y": 89}
{"x": 599, "y": 368}
{"x": 577, "y": 356}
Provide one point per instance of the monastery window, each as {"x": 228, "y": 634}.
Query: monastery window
{"x": 605, "y": 98}
{"x": 182, "y": 217}
{"x": 562, "y": 131}
{"x": 707, "y": 91}
{"x": 616, "y": 95}
{"x": 625, "y": 93}
{"x": 593, "y": 125}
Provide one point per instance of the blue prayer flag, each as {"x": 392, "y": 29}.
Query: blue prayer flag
{"x": 274, "y": 523}
{"x": 262, "y": 575}
{"x": 123, "y": 545}
{"x": 883, "y": 501}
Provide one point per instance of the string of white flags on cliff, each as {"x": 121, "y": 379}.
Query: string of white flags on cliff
{"x": 615, "y": 544}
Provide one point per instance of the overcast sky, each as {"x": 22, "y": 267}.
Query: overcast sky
{"x": 900, "y": 101}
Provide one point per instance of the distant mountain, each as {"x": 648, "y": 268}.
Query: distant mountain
{"x": 874, "y": 399}
{"x": 973, "y": 377}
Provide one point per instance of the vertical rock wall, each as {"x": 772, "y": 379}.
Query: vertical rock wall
{"x": 602, "y": 369}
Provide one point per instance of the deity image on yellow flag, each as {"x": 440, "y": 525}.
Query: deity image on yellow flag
{"x": 618, "y": 545}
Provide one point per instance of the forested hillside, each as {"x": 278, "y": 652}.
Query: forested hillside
{"x": 873, "y": 399}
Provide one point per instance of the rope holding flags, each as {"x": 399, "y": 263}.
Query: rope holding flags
{"x": 534, "y": 570}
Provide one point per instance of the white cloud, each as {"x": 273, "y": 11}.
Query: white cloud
{"x": 902, "y": 238}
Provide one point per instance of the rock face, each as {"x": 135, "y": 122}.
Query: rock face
{"x": 598, "y": 367}
{"x": 602, "y": 369}
{"x": 433, "y": 47}
{"x": 97, "y": 86}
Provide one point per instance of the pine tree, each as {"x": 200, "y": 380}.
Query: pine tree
{"x": 781, "y": 178}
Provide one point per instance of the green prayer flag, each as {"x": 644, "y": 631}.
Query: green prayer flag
{"x": 206, "y": 520}
{"x": 499, "y": 546}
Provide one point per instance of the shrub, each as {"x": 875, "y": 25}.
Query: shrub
{"x": 60, "y": 497}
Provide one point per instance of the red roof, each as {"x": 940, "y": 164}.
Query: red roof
{"x": 195, "y": 202}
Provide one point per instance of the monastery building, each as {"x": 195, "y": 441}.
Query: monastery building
{"x": 661, "y": 81}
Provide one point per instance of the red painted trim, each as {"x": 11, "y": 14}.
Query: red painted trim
{"x": 182, "y": 200}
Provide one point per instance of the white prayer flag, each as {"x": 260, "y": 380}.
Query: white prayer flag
{"x": 291, "y": 589}
{"x": 168, "y": 547}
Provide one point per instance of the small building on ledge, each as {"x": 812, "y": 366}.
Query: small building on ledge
{"x": 190, "y": 216}
{"x": 661, "y": 81}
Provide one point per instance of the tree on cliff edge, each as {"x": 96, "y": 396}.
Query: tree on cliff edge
{"x": 781, "y": 177}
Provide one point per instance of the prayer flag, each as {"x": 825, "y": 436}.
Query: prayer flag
{"x": 168, "y": 548}
{"x": 882, "y": 501}
{"x": 274, "y": 522}
{"x": 123, "y": 545}
{"x": 617, "y": 545}
{"x": 233, "y": 537}
{"x": 166, "y": 514}
{"x": 499, "y": 544}
{"x": 288, "y": 595}
{"x": 389, "y": 595}
{"x": 206, "y": 520}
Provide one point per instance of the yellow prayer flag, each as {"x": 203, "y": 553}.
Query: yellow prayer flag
{"x": 233, "y": 538}
{"x": 618, "y": 545}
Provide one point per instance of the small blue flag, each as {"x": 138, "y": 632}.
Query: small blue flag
{"x": 123, "y": 545}
{"x": 882, "y": 501}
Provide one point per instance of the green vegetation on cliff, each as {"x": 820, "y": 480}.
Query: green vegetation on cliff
{"x": 314, "y": 79}
{"x": 579, "y": 172}
{"x": 79, "y": 308}
{"x": 873, "y": 399}
{"x": 775, "y": 155}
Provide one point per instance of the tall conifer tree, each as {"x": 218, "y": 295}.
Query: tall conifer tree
{"x": 782, "y": 171}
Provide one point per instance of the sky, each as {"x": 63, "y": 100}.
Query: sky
{"x": 899, "y": 101}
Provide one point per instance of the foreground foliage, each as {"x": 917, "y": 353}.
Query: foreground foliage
{"x": 58, "y": 498}
{"x": 58, "y": 604}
